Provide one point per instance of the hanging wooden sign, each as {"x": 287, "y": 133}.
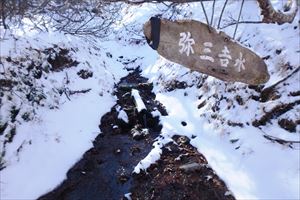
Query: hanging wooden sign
{"x": 191, "y": 44}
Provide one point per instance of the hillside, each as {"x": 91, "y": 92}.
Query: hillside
{"x": 62, "y": 96}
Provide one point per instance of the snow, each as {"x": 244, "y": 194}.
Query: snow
{"x": 54, "y": 139}
{"x": 122, "y": 115}
{"x": 56, "y": 143}
{"x": 252, "y": 167}
{"x": 153, "y": 156}
{"x": 128, "y": 196}
{"x": 279, "y": 6}
{"x": 138, "y": 100}
{"x": 63, "y": 129}
{"x": 254, "y": 171}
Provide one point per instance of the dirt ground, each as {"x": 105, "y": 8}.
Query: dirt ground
{"x": 181, "y": 173}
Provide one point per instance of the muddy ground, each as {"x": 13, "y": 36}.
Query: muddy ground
{"x": 181, "y": 173}
{"x": 105, "y": 171}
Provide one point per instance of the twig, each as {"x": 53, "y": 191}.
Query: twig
{"x": 237, "y": 24}
{"x": 279, "y": 140}
{"x": 222, "y": 13}
{"x": 270, "y": 88}
{"x": 204, "y": 11}
{"x": 132, "y": 31}
{"x": 242, "y": 22}
{"x": 66, "y": 93}
{"x": 212, "y": 14}
{"x": 72, "y": 92}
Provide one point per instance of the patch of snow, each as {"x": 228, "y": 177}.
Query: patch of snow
{"x": 53, "y": 145}
{"x": 59, "y": 132}
{"x": 122, "y": 115}
{"x": 155, "y": 113}
{"x": 138, "y": 100}
{"x": 128, "y": 196}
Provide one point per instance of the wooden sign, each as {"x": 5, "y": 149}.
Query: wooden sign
{"x": 191, "y": 44}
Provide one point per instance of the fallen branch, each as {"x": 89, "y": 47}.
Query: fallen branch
{"x": 274, "y": 113}
{"x": 281, "y": 141}
{"x": 269, "y": 90}
{"x": 79, "y": 91}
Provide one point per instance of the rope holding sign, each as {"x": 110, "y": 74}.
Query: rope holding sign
{"x": 155, "y": 33}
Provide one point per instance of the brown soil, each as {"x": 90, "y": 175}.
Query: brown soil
{"x": 167, "y": 180}
{"x": 61, "y": 59}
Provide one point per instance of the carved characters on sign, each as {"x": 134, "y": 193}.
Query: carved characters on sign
{"x": 207, "y": 50}
{"x": 185, "y": 42}
{"x": 224, "y": 57}
{"x": 239, "y": 63}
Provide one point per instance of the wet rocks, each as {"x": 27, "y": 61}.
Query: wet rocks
{"x": 139, "y": 133}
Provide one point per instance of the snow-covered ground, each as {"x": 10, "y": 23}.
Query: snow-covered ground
{"x": 61, "y": 128}
{"x": 253, "y": 167}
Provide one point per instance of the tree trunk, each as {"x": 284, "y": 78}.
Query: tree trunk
{"x": 3, "y": 16}
{"x": 272, "y": 16}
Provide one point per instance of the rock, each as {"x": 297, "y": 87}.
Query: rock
{"x": 288, "y": 125}
{"x": 183, "y": 140}
{"x": 85, "y": 74}
{"x": 138, "y": 133}
{"x": 117, "y": 151}
{"x": 191, "y": 167}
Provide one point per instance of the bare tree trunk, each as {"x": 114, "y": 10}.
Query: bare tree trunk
{"x": 3, "y": 14}
{"x": 273, "y": 16}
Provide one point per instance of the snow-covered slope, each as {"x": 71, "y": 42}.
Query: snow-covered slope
{"x": 234, "y": 125}
{"x": 50, "y": 120}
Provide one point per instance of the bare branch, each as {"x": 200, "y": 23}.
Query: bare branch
{"x": 242, "y": 22}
